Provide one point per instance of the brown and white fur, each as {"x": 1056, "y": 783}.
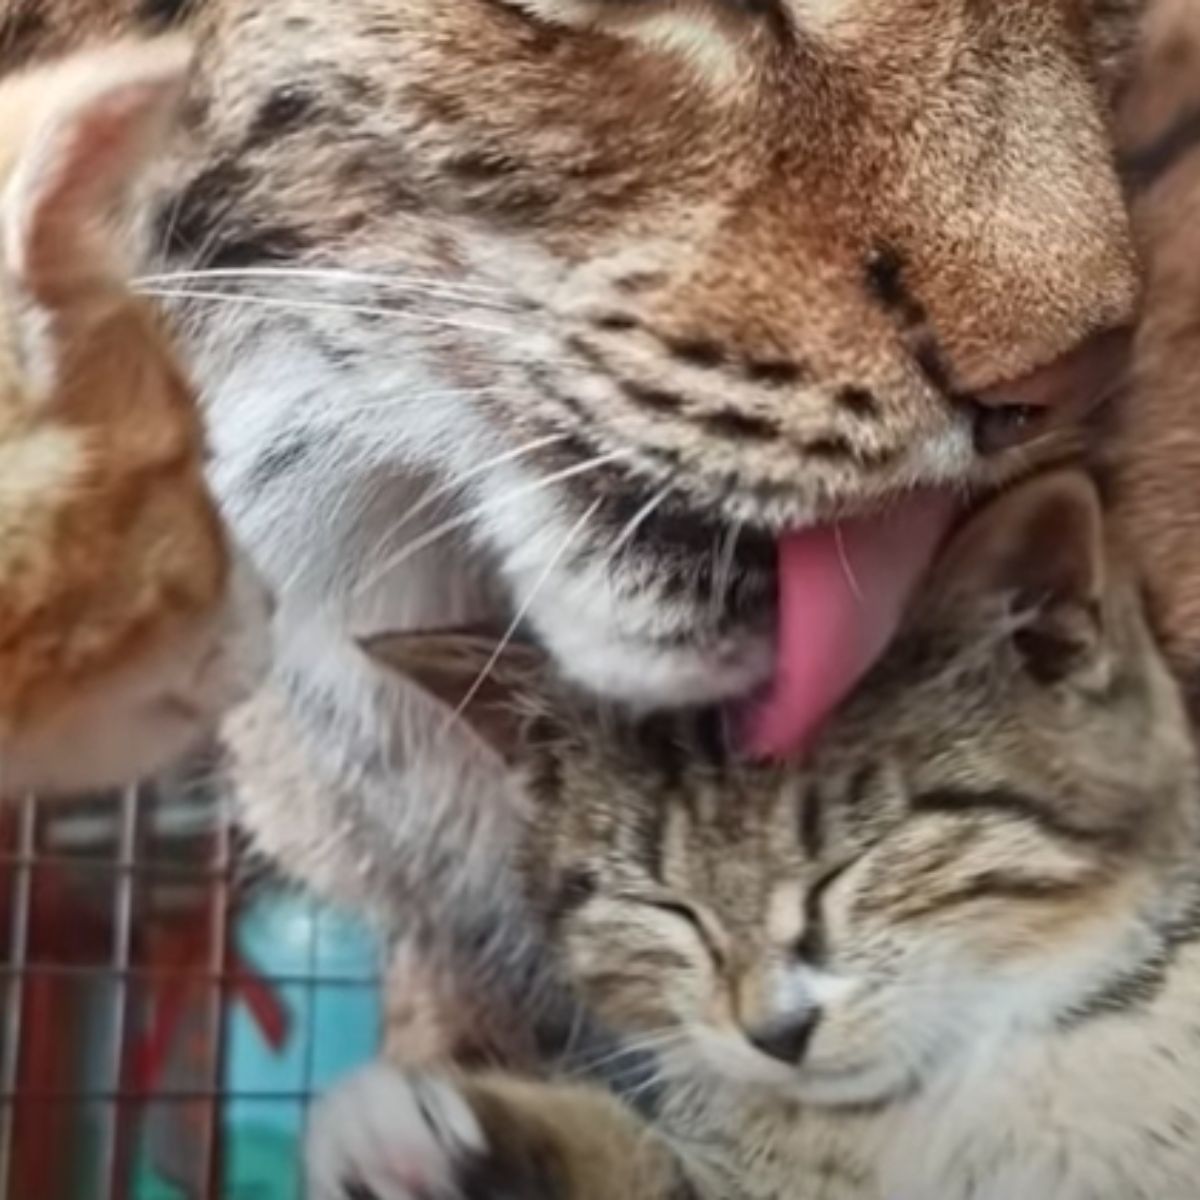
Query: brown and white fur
{"x": 954, "y": 954}
{"x": 595, "y": 298}
{"x": 127, "y": 620}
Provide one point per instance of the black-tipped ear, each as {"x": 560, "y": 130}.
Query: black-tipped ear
{"x": 1042, "y": 546}
{"x": 482, "y": 678}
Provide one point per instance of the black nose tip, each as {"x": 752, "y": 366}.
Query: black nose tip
{"x": 785, "y": 1039}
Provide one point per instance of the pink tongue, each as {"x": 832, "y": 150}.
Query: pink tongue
{"x": 842, "y": 590}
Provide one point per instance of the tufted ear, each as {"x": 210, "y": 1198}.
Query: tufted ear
{"x": 480, "y": 677}
{"x": 78, "y": 135}
{"x": 1041, "y": 546}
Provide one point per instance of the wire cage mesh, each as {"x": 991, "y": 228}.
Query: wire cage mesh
{"x": 168, "y": 1014}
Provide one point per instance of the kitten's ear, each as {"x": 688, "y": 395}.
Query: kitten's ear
{"x": 480, "y": 677}
{"x": 1041, "y": 544}
{"x": 88, "y": 128}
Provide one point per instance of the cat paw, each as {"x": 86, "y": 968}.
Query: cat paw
{"x": 386, "y": 1135}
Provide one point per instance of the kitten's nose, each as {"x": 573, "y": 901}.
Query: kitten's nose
{"x": 785, "y": 1038}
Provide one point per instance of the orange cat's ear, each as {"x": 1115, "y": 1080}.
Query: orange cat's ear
{"x": 485, "y": 680}
{"x": 1042, "y": 547}
{"x": 92, "y": 122}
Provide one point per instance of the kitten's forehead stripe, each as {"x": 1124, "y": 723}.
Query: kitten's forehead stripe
{"x": 812, "y": 821}
{"x": 654, "y": 841}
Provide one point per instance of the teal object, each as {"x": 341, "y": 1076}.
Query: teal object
{"x": 321, "y": 969}
{"x": 324, "y": 966}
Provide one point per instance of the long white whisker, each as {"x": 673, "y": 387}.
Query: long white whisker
{"x": 450, "y": 486}
{"x": 523, "y": 608}
{"x": 353, "y": 409}
{"x": 638, "y": 519}
{"x": 477, "y": 510}
{"x": 333, "y": 273}
{"x": 486, "y": 293}
{"x": 417, "y": 319}
{"x": 723, "y": 568}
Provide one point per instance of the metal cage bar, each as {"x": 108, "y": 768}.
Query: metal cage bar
{"x": 18, "y": 946}
{"x": 118, "y": 907}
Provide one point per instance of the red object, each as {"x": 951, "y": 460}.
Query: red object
{"x": 187, "y": 954}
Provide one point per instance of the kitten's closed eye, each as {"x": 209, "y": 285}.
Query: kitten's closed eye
{"x": 683, "y": 911}
{"x": 709, "y": 936}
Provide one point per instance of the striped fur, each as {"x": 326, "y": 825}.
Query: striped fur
{"x": 953, "y": 954}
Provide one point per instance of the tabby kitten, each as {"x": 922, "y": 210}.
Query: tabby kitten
{"x": 127, "y": 619}
{"x": 951, "y": 955}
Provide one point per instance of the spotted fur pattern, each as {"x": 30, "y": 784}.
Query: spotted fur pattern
{"x": 127, "y": 620}
{"x": 650, "y": 281}
{"x": 954, "y": 953}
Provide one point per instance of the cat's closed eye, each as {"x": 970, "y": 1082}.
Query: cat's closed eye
{"x": 709, "y": 937}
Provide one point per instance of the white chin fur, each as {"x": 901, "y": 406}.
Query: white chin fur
{"x": 647, "y": 676}
{"x": 131, "y": 725}
{"x": 611, "y": 639}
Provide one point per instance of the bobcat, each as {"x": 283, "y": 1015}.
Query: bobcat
{"x": 128, "y": 620}
{"x": 602, "y": 315}
{"x": 953, "y": 954}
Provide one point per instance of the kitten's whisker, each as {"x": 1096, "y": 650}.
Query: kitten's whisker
{"x": 652, "y": 1081}
{"x": 444, "y": 528}
{"x": 523, "y": 608}
{"x": 630, "y": 1047}
{"x": 418, "y": 320}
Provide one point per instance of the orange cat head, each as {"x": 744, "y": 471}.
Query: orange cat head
{"x": 127, "y": 620}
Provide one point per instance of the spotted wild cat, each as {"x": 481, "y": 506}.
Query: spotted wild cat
{"x": 582, "y": 310}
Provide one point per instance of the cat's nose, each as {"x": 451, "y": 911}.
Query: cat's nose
{"x": 786, "y": 1038}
